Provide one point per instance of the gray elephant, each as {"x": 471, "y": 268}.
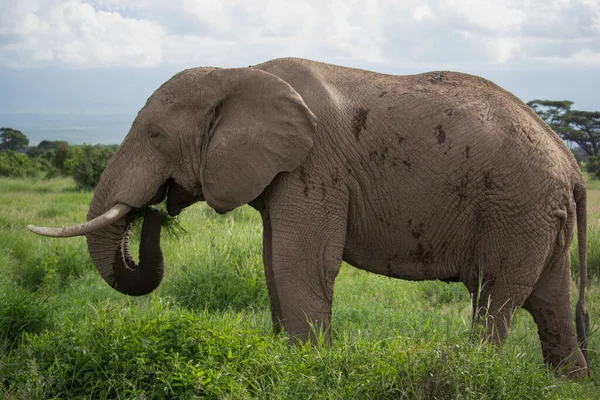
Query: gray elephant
{"x": 440, "y": 175}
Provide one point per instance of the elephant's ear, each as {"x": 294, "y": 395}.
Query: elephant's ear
{"x": 260, "y": 126}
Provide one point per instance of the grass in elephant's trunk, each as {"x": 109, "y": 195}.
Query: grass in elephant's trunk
{"x": 170, "y": 225}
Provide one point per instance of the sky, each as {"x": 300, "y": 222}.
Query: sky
{"x": 105, "y": 57}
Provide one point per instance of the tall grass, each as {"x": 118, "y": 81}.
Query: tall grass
{"x": 206, "y": 331}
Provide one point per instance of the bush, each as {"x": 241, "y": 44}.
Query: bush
{"x": 52, "y": 155}
{"x": 85, "y": 164}
{"x": 593, "y": 165}
{"x": 18, "y": 165}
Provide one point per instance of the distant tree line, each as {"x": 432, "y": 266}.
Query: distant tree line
{"x": 52, "y": 158}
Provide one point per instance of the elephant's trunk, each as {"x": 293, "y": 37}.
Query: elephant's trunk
{"x": 109, "y": 249}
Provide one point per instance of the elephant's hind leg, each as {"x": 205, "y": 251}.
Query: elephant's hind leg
{"x": 494, "y": 305}
{"x": 550, "y": 306}
{"x": 507, "y": 266}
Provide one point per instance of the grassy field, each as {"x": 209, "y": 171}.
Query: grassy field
{"x": 206, "y": 332}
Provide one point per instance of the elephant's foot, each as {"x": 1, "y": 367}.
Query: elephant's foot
{"x": 555, "y": 329}
{"x": 573, "y": 365}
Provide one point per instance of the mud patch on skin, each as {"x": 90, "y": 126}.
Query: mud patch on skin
{"x": 389, "y": 269}
{"x": 436, "y": 77}
{"x": 440, "y": 134}
{"x": 417, "y": 233}
{"x": 467, "y": 151}
{"x": 487, "y": 180}
{"x": 302, "y": 174}
{"x": 303, "y": 178}
{"x": 384, "y": 154}
{"x": 421, "y": 255}
{"x": 462, "y": 189}
{"x": 336, "y": 176}
{"x": 359, "y": 122}
{"x": 383, "y": 93}
{"x": 388, "y": 223}
{"x": 379, "y": 157}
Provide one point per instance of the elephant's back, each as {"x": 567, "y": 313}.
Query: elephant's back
{"x": 439, "y": 119}
{"x": 470, "y": 115}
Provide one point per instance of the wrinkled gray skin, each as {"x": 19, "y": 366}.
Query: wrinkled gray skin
{"x": 440, "y": 175}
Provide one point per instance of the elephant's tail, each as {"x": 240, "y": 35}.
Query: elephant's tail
{"x": 582, "y": 319}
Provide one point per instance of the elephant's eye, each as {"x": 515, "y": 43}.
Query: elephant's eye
{"x": 154, "y": 134}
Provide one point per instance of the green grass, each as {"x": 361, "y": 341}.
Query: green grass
{"x": 206, "y": 331}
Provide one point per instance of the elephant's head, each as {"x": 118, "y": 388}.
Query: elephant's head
{"x": 219, "y": 135}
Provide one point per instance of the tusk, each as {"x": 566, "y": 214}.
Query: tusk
{"x": 101, "y": 221}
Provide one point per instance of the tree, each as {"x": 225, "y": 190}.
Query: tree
{"x": 584, "y": 129}
{"x": 13, "y": 139}
{"x": 581, "y": 127}
{"x": 52, "y": 144}
{"x": 552, "y": 112}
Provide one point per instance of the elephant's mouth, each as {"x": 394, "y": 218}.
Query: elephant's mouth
{"x": 177, "y": 197}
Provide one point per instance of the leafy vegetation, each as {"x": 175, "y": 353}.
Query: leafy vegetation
{"x": 206, "y": 331}
{"x": 18, "y": 165}
{"x": 84, "y": 163}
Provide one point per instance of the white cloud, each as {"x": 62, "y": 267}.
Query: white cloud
{"x": 422, "y": 11}
{"x": 491, "y": 16}
{"x": 72, "y": 33}
{"x": 409, "y": 34}
{"x": 583, "y": 58}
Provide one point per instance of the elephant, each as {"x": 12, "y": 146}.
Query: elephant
{"x": 434, "y": 176}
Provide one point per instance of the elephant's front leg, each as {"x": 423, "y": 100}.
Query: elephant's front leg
{"x": 305, "y": 252}
{"x": 276, "y": 313}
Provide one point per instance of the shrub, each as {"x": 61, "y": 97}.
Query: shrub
{"x": 85, "y": 164}
{"x": 593, "y": 165}
{"x": 17, "y": 165}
